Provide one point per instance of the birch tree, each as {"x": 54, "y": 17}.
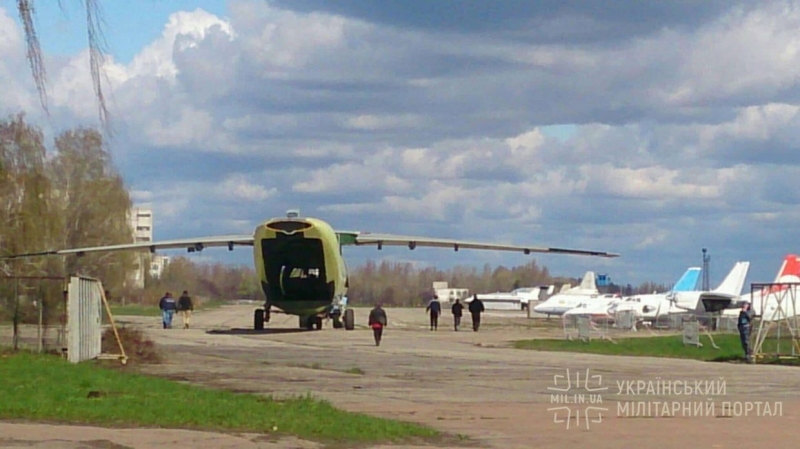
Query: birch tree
{"x": 93, "y": 206}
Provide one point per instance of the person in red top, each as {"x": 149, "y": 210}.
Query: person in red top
{"x": 377, "y": 321}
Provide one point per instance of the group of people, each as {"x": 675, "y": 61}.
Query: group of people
{"x": 169, "y": 307}
{"x": 475, "y": 309}
{"x": 378, "y": 319}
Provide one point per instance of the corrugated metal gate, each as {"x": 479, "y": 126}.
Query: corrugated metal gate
{"x": 84, "y": 319}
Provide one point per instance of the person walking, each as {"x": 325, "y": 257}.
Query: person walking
{"x": 458, "y": 311}
{"x": 377, "y": 321}
{"x": 435, "y": 309}
{"x": 185, "y": 308}
{"x": 745, "y": 319}
{"x": 168, "y": 307}
{"x": 476, "y": 308}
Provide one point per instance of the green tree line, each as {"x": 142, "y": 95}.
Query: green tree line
{"x": 393, "y": 284}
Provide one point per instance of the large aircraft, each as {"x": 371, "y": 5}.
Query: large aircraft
{"x": 722, "y": 297}
{"x": 651, "y": 306}
{"x": 563, "y": 301}
{"x": 300, "y": 264}
{"x": 765, "y": 301}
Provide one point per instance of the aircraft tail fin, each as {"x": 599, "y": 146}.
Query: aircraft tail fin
{"x": 565, "y": 288}
{"x": 588, "y": 282}
{"x": 733, "y": 283}
{"x": 790, "y": 270}
{"x": 687, "y": 282}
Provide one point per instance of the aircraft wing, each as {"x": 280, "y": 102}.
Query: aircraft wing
{"x": 380, "y": 240}
{"x": 191, "y": 245}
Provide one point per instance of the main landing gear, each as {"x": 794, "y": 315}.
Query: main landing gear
{"x": 348, "y": 321}
{"x": 315, "y": 322}
{"x": 260, "y": 316}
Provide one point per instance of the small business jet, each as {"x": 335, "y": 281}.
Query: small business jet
{"x": 649, "y": 307}
{"x": 726, "y": 295}
{"x": 299, "y": 262}
{"x": 561, "y": 302}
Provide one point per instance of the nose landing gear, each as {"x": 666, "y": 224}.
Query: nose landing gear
{"x": 311, "y": 322}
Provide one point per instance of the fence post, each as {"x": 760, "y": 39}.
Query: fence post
{"x": 40, "y": 336}
{"x": 16, "y": 315}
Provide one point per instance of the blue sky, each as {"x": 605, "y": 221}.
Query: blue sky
{"x": 652, "y": 129}
{"x": 128, "y": 25}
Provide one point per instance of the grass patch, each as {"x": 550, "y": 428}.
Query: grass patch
{"x": 38, "y": 387}
{"x": 672, "y": 346}
{"x": 134, "y": 310}
{"x": 355, "y": 370}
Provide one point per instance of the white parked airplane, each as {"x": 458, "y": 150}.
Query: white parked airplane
{"x": 559, "y": 303}
{"x": 765, "y": 302}
{"x": 651, "y": 306}
{"x": 595, "y": 308}
{"x": 715, "y": 300}
{"x": 519, "y": 297}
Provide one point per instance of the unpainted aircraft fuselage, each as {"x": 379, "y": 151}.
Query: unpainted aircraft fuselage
{"x": 300, "y": 265}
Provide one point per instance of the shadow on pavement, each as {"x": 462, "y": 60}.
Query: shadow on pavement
{"x": 239, "y": 331}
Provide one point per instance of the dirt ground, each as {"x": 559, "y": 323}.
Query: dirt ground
{"x": 466, "y": 382}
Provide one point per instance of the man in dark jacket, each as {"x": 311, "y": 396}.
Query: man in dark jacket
{"x": 377, "y": 321}
{"x": 185, "y": 308}
{"x": 435, "y": 309}
{"x": 167, "y": 306}
{"x": 476, "y": 308}
{"x": 458, "y": 310}
{"x": 745, "y": 318}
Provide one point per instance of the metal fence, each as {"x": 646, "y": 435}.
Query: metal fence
{"x": 51, "y": 314}
{"x": 587, "y": 327}
{"x": 33, "y": 313}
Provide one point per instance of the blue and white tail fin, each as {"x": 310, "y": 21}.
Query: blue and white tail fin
{"x": 734, "y": 281}
{"x": 688, "y": 282}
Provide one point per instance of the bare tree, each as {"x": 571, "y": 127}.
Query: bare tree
{"x": 96, "y": 55}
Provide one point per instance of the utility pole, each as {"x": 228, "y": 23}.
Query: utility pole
{"x": 706, "y": 261}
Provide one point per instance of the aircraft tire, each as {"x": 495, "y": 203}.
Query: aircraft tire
{"x": 349, "y": 319}
{"x": 258, "y": 319}
{"x": 318, "y": 323}
{"x": 337, "y": 323}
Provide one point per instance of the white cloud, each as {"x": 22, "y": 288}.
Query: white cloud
{"x": 683, "y": 137}
{"x": 183, "y": 30}
{"x": 239, "y": 187}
